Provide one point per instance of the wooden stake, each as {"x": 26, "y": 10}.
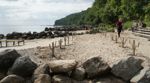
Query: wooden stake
{"x": 72, "y": 37}
{"x": 50, "y": 46}
{"x": 1, "y": 43}
{"x": 116, "y": 39}
{"x": 68, "y": 39}
{"x": 53, "y": 49}
{"x": 23, "y": 42}
{"x": 13, "y": 43}
{"x": 133, "y": 47}
{"x": 123, "y": 42}
{"x": 60, "y": 43}
{"x": 6, "y": 43}
{"x": 55, "y": 43}
{"x": 65, "y": 40}
{"x": 18, "y": 42}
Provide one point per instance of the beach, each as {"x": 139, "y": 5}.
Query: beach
{"x": 85, "y": 46}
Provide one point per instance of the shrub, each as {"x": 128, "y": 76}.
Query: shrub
{"x": 127, "y": 25}
{"x": 147, "y": 24}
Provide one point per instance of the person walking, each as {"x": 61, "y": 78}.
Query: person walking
{"x": 119, "y": 25}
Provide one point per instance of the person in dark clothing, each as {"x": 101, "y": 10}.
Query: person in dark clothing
{"x": 119, "y": 24}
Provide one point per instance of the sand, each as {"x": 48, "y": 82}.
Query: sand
{"x": 33, "y": 44}
{"x": 85, "y": 46}
{"x": 90, "y": 45}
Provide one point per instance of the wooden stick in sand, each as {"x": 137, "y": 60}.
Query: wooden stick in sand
{"x": 65, "y": 40}
{"x": 6, "y": 43}
{"x": 53, "y": 49}
{"x": 60, "y": 43}
{"x": 116, "y": 39}
{"x": 123, "y": 42}
{"x": 55, "y": 43}
{"x": 1, "y": 43}
{"x": 134, "y": 47}
{"x": 68, "y": 39}
{"x": 18, "y": 42}
{"x": 13, "y": 43}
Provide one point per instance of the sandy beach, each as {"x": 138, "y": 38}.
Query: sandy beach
{"x": 88, "y": 45}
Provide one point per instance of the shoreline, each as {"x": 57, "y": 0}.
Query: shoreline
{"x": 33, "y": 43}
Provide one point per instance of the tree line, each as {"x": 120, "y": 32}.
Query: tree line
{"x": 108, "y": 11}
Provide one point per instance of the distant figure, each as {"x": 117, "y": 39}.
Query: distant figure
{"x": 119, "y": 24}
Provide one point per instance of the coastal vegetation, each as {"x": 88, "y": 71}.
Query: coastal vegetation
{"x": 108, "y": 11}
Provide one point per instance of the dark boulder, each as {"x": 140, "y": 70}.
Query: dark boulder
{"x": 78, "y": 74}
{"x": 2, "y": 36}
{"x": 23, "y": 66}
{"x": 2, "y": 75}
{"x": 127, "y": 68}
{"x": 95, "y": 67}
{"x": 7, "y": 58}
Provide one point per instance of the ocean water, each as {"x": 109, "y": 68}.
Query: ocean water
{"x": 5, "y": 29}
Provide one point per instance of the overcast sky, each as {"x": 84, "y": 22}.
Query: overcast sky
{"x": 38, "y": 12}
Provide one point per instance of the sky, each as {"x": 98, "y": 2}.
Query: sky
{"x": 39, "y": 12}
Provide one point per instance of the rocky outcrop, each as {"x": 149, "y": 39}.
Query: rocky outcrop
{"x": 43, "y": 78}
{"x": 127, "y": 68}
{"x": 142, "y": 77}
{"x": 24, "y": 69}
{"x": 62, "y": 66}
{"x": 95, "y": 67}
{"x": 7, "y": 58}
{"x": 79, "y": 74}
{"x": 23, "y": 66}
{"x": 12, "y": 79}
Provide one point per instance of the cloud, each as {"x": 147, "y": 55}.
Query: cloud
{"x": 32, "y": 12}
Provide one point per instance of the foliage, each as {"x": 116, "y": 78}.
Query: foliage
{"x": 102, "y": 28}
{"x": 108, "y": 11}
{"x": 148, "y": 23}
{"x": 127, "y": 25}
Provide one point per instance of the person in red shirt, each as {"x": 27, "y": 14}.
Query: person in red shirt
{"x": 119, "y": 25}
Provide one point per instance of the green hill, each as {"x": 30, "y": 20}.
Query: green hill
{"x": 108, "y": 11}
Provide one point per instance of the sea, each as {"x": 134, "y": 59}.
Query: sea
{"x": 5, "y": 29}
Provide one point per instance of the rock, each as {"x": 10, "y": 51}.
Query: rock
{"x": 84, "y": 81}
{"x": 79, "y": 74}
{"x": 43, "y": 69}
{"x": 108, "y": 79}
{"x": 61, "y": 79}
{"x": 95, "y": 66}
{"x": 12, "y": 79}
{"x": 23, "y": 66}
{"x": 7, "y": 58}
{"x": 43, "y": 78}
{"x": 127, "y": 68}
{"x": 62, "y": 66}
{"x": 142, "y": 77}
{"x": 2, "y": 76}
